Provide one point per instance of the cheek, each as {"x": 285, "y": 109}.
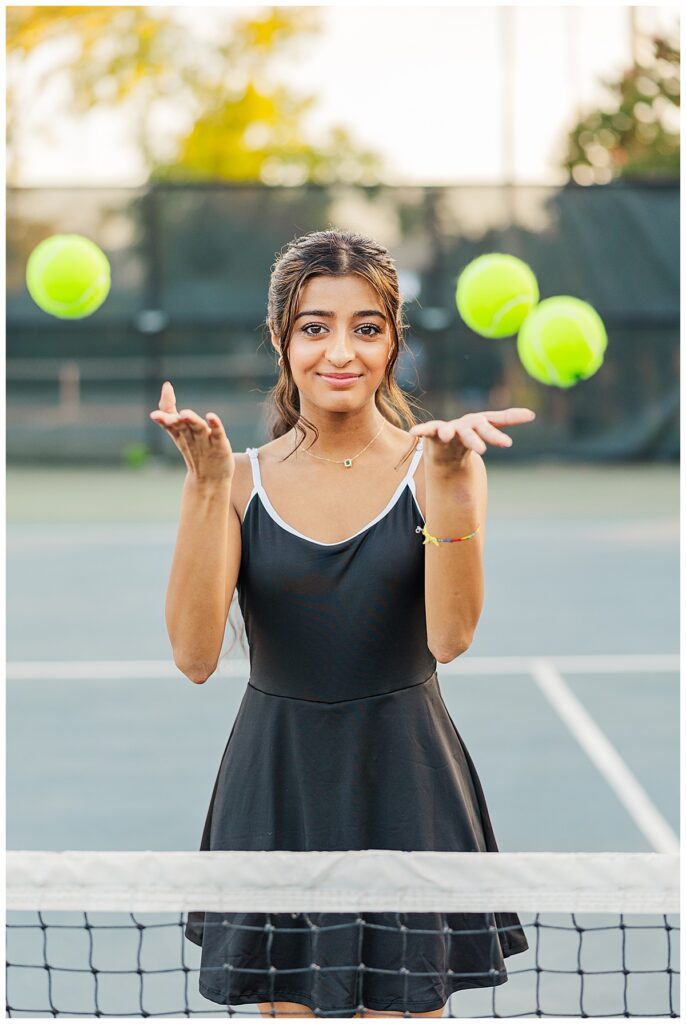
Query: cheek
{"x": 303, "y": 349}
{"x": 300, "y": 355}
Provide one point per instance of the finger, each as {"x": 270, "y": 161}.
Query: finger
{"x": 470, "y": 439}
{"x": 169, "y": 423}
{"x": 425, "y": 429}
{"x": 489, "y": 433}
{"x": 165, "y": 419}
{"x": 510, "y": 417}
{"x": 167, "y": 398}
{"x": 171, "y": 428}
{"x": 216, "y": 426}
{"x": 196, "y": 424}
{"x": 174, "y": 426}
{"x": 190, "y": 434}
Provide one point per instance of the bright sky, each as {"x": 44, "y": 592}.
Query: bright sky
{"x": 431, "y": 88}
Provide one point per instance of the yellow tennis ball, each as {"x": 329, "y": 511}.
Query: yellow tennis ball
{"x": 494, "y": 294}
{"x": 68, "y": 276}
{"x": 562, "y": 341}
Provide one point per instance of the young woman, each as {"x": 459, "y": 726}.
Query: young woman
{"x": 342, "y": 740}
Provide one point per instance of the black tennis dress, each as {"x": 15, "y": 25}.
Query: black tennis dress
{"x": 343, "y": 742}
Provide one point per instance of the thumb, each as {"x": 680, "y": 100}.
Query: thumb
{"x": 167, "y": 398}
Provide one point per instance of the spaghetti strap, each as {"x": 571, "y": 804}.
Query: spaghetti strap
{"x": 415, "y": 458}
{"x": 255, "y": 467}
{"x": 409, "y": 479}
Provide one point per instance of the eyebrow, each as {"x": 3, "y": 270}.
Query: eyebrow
{"x": 324, "y": 312}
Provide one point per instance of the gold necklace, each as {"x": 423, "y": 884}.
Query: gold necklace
{"x": 346, "y": 462}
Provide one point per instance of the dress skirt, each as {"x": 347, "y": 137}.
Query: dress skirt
{"x": 388, "y": 771}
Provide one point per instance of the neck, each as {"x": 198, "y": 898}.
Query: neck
{"x": 342, "y": 435}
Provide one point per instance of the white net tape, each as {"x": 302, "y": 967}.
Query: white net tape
{"x": 364, "y": 880}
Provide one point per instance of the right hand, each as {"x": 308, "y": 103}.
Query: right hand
{"x": 203, "y": 443}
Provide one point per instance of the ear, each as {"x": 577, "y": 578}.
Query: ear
{"x": 275, "y": 341}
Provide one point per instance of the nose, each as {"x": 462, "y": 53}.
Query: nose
{"x": 340, "y": 351}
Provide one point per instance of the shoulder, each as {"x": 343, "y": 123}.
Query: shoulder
{"x": 242, "y": 462}
{"x": 242, "y": 486}
{"x": 271, "y": 450}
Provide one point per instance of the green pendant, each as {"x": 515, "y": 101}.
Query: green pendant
{"x": 347, "y": 463}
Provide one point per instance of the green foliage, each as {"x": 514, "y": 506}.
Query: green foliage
{"x": 637, "y": 134}
{"x": 135, "y": 454}
{"x": 261, "y": 138}
{"x": 232, "y": 120}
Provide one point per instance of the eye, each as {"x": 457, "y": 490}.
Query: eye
{"x": 374, "y": 328}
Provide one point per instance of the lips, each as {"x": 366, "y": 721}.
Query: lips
{"x": 341, "y": 376}
{"x": 340, "y": 383}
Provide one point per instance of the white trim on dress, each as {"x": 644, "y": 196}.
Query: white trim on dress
{"x": 258, "y": 488}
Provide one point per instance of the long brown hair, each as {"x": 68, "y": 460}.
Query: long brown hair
{"x": 335, "y": 253}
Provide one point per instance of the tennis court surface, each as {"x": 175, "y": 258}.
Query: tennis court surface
{"x": 568, "y": 701}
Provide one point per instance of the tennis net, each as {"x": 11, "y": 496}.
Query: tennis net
{"x": 104, "y": 933}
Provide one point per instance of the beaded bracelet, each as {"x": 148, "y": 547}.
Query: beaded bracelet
{"x": 430, "y": 539}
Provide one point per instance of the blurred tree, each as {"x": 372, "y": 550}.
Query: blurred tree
{"x": 261, "y": 138}
{"x": 200, "y": 107}
{"x": 636, "y": 134}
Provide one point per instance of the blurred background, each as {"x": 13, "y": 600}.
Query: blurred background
{"x": 192, "y": 144}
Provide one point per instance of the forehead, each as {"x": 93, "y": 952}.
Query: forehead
{"x": 329, "y": 292}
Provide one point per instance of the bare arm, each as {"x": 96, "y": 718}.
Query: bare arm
{"x": 203, "y": 576}
{"x": 456, "y": 502}
{"x": 208, "y": 544}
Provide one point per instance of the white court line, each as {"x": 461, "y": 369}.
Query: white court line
{"x": 239, "y": 668}
{"x": 99, "y": 671}
{"x": 69, "y": 535}
{"x": 593, "y": 663}
{"x": 607, "y": 760}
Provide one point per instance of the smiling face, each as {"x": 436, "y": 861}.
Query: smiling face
{"x": 339, "y": 328}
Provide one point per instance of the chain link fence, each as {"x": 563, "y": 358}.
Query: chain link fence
{"x": 190, "y": 273}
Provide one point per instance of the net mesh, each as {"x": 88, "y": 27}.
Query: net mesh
{"x": 94, "y": 934}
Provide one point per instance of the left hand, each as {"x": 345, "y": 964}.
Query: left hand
{"x": 452, "y": 440}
